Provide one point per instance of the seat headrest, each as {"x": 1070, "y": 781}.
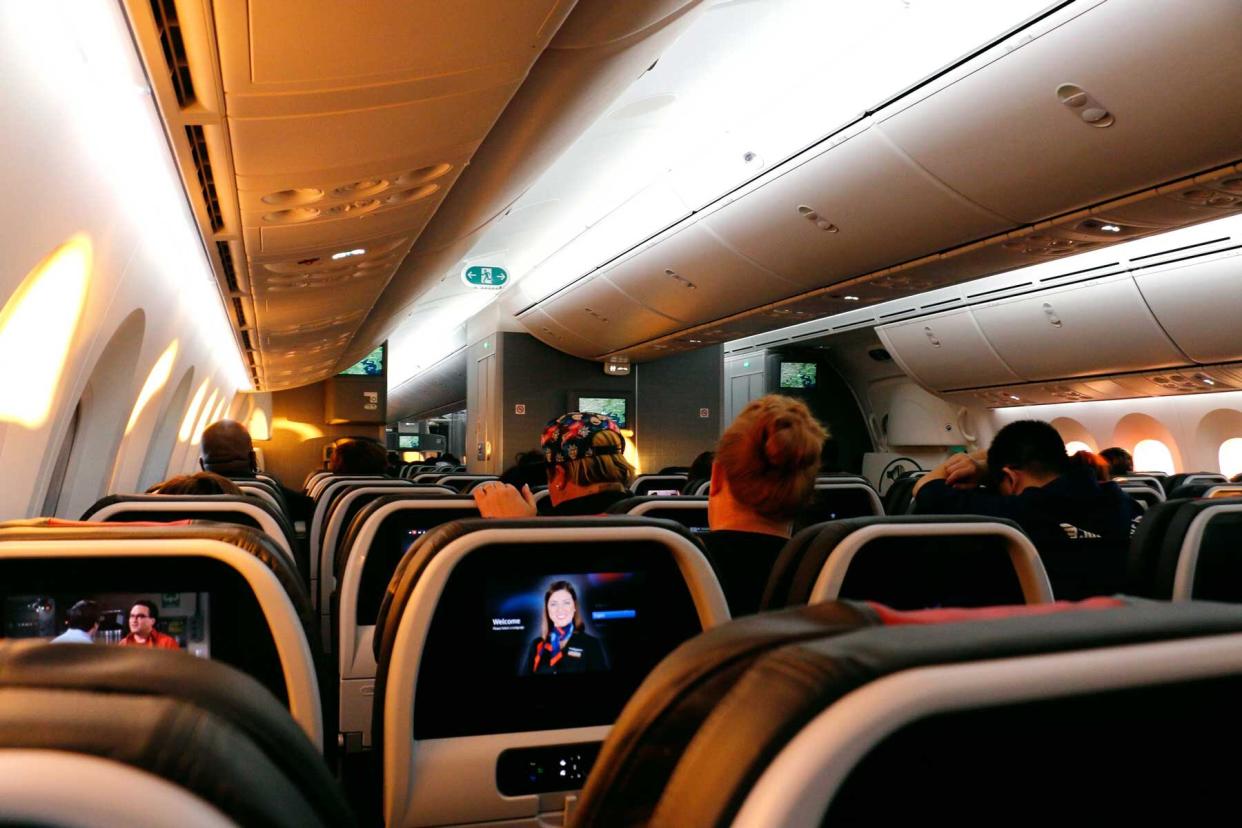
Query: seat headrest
{"x": 656, "y": 725}
{"x": 199, "y": 723}
{"x": 788, "y": 686}
{"x": 244, "y": 538}
{"x": 798, "y": 565}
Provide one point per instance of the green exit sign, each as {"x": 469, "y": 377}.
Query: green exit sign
{"x": 485, "y": 277}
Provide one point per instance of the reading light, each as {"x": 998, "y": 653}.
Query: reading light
{"x": 1014, "y": 397}
{"x": 850, "y": 298}
{"x": 345, "y": 254}
{"x": 1110, "y": 228}
{"x": 1209, "y": 381}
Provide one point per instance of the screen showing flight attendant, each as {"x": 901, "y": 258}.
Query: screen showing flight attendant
{"x": 563, "y": 623}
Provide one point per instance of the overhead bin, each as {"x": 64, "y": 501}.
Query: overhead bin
{"x": 602, "y": 315}
{"x": 692, "y": 277}
{"x": 1019, "y": 114}
{"x": 945, "y": 351}
{"x": 1199, "y": 303}
{"x": 856, "y": 207}
{"x": 1101, "y": 327}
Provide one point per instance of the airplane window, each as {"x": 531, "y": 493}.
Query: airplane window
{"x": 1231, "y": 457}
{"x": 1075, "y": 446}
{"x": 1154, "y": 456}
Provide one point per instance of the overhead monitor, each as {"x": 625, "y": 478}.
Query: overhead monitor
{"x": 371, "y": 365}
{"x": 407, "y": 441}
{"x": 798, "y": 374}
{"x": 614, "y": 407}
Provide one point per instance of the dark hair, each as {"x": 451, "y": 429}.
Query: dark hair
{"x": 529, "y": 469}
{"x": 449, "y": 458}
{"x": 556, "y": 586}
{"x": 358, "y": 455}
{"x": 83, "y": 615}
{"x": 227, "y": 449}
{"x": 1119, "y": 461}
{"x": 1032, "y": 446}
{"x": 143, "y": 602}
{"x": 701, "y": 466}
{"x": 199, "y": 483}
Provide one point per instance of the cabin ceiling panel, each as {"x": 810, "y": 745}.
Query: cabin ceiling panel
{"x": 854, "y": 208}
{"x": 1148, "y": 129}
{"x": 344, "y": 127}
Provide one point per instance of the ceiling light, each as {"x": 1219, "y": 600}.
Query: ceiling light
{"x": 1209, "y": 381}
{"x": 345, "y": 254}
{"x": 1014, "y": 397}
{"x": 850, "y": 298}
{"x": 1110, "y": 228}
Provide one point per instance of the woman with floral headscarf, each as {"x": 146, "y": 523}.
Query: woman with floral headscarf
{"x": 587, "y": 471}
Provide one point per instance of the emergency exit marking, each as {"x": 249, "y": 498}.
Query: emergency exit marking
{"x": 485, "y": 278}
{"x": 705, "y": 413}
{"x": 519, "y": 409}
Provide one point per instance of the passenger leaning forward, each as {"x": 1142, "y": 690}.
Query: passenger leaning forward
{"x": 1080, "y": 525}
{"x": 587, "y": 471}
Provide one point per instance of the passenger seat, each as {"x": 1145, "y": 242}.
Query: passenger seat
{"x": 171, "y": 732}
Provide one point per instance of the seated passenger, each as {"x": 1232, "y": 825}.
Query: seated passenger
{"x": 199, "y": 483}
{"x": 358, "y": 455}
{"x": 83, "y": 624}
{"x": 764, "y": 473}
{"x": 1119, "y": 461}
{"x": 1096, "y": 463}
{"x": 447, "y": 459}
{"x": 586, "y": 471}
{"x": 228, "y": 450}
{"x": 1056, "y": 499}
{"x": 143, "y": 617}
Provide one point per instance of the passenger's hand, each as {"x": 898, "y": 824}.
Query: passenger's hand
{"x": 964, "y": 471}
{"x": 500, "y": 500}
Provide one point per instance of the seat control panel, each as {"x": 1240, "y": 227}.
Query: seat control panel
{"x": 546, "y": 768}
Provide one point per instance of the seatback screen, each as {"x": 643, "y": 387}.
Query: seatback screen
{"x": 549, "y": 637}
{"x": 120, "y": 618}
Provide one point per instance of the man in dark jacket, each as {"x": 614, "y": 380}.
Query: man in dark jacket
{"x": 227, "y": 450}
{"x": 1080, "y": 526}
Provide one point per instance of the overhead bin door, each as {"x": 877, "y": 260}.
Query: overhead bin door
{"x": 859, "y": 206}
{"x": 1199, "y": 305}
{"x": 946, "y": 351}
{"x": 1166, "y": 74}
{"x": 599, "y": 313}
{"x": 1102, "y": 327}
{"x": 692, "y": 277}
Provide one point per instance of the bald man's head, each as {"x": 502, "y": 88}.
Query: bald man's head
{"x": 226, "y": 449}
